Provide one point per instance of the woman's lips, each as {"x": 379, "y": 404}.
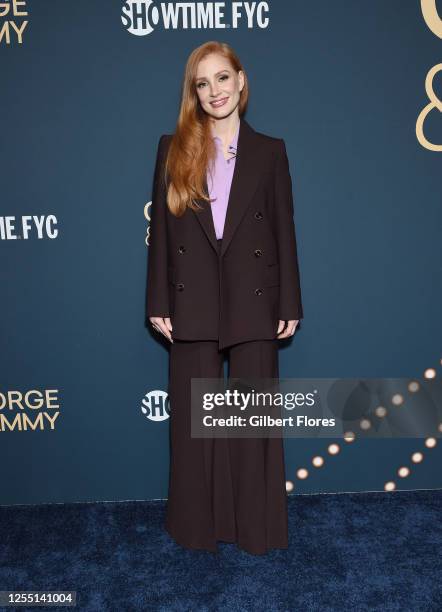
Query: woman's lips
{"x": 218, "y": 103}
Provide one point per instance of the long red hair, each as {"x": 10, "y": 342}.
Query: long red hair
{"x": 192, "y": 147}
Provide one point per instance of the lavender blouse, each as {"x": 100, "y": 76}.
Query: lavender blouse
{"x": 220, "y": 181}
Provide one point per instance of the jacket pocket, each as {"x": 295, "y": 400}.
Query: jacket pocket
{"x": 272, "y": 275}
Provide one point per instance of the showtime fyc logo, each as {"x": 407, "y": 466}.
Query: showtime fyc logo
{"x": 155, "y": 405}
{"x": 28, "y": 226}
{"x": 140, "y": 17}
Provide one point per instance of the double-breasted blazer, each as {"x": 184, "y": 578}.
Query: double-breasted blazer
{"x": 239, "y": 293}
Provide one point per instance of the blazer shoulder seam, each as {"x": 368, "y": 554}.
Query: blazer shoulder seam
{"x": 269, "y": 139}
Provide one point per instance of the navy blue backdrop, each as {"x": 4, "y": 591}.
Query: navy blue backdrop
{"x": 84, "y": 100}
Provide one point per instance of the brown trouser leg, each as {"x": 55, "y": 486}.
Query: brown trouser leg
{"x": 227, "y": 489}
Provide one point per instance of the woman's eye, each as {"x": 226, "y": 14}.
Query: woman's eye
{"x": 222, "y": 77}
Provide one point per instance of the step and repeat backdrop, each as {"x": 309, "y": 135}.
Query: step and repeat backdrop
{"x": 87, "y": 88}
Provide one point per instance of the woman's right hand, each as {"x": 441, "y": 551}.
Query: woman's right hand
{"x": 163, "y": 325}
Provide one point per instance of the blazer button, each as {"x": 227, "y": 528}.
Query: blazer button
{"x": 180, "y": 286}
{"x": 258, "y": 215}
{"x": 258, "y": 291}
{"x": 181, "y": 249}
{"x": 258, "y": 253}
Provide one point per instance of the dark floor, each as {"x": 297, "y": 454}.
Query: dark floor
{"x": 348, "y": 551}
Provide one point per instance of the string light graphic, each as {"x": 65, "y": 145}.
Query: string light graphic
{"x": 398, "y": 401}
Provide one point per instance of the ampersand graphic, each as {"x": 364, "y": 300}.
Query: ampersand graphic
{"x": 434, "y": 103}
{"x": 431, "y": 16}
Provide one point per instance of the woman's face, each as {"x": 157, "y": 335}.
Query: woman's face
{"x": 218, "y": 85}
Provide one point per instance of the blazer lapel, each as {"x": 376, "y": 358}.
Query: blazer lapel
{"x": 246, "y": 176}
{"x": 204, "y": 216}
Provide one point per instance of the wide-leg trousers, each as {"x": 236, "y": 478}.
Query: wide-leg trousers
{"x": 223, "y": 489}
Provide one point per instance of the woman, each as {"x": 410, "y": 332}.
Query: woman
{"x": 222, "y": 276}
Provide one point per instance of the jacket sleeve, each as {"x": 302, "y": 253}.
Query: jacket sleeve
{"x": 290, "y": 305}
{"x": 157, "y": 294}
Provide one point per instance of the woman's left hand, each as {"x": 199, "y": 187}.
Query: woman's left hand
{"x": 289, "y": 331}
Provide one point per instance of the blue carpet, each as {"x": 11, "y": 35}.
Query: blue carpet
{"x": 348, "y": 551}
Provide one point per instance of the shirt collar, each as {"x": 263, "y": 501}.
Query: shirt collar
{"x": 234, "y": 142}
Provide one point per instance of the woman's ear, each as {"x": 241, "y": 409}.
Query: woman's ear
{"x": 241, "y": 80}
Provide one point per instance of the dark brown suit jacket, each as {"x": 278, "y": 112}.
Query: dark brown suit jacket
{"x": 241, "y": 293}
